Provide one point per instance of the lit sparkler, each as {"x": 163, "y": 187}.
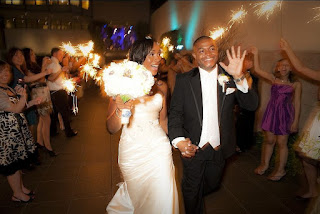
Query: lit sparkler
{"x": 95, "y": 60}
{"x": 89, "y": 70}
{"x": 267, "y": 8}
{"x": 238, "y": 16}
{"x": 316, "y": 17}
{"x": 171, "y": 48}
{"x": 69, "y": 85}
{"x": 217, "y": 33}
{"x": 68, "y": 48}
{"x": 86, "y": 48}
{"x": 166, "y": 41}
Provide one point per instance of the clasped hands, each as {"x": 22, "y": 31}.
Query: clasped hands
{"x": 186, "y": 148}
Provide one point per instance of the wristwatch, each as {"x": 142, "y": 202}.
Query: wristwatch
{"x": 239, "y": 79}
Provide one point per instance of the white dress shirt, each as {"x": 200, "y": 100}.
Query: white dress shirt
{"x": 210, "y": 124}
{"x": 56, "y": 84}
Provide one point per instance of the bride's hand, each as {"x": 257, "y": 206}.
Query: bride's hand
{"x": 187, "y": 149}
{"x": 121, "y": 105}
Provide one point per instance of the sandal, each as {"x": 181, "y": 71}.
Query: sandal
{"x": 15, "y": 199}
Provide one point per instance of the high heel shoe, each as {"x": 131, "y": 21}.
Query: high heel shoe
{"x": 52, "y": 153}
{"x": 31, "y": 193}
{"x": 18, "y": 200}
{"x": 39, "y": 146}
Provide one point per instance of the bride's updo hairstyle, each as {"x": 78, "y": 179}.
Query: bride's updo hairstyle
{"x": 140, "y": 49}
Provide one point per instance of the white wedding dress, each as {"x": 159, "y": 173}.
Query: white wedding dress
{"x": 145, "y": 160}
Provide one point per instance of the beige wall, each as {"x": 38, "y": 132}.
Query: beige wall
{"x": 41, "y": 41}
{"x": 121, "y": 12}
{"x": 290, "y": 23}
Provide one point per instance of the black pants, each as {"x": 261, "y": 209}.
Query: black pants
{"x": 244, "y": 127}
{"x": 60, "y": 105}
{"x": 201, "y": 176}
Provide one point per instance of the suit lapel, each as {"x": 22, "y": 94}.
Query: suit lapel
{"x": 195, "y": 85}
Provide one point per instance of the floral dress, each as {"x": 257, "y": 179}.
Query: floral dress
{"x": 17, "y": 148}
{"x": 309, "y": 142}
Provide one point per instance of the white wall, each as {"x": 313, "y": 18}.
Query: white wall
{"x": 42, "y": 41}
{"x": 290, "y": 23}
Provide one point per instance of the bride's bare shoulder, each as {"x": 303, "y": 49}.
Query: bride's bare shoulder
{"x": 162, "y": 87}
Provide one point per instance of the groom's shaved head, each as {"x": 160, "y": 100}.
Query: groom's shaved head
{"x": 200, "y": 39}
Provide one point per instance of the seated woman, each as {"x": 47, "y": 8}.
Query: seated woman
{"x": 17, "y": 149}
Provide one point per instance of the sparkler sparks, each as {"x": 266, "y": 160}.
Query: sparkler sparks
{"x": 69, "y": 85}
{"x": 68, "y": 48}
{"x": 238, "y": 16}
{"x": 316, "y": 17}
{"x": 86, "y": 48}
{"x": 217, "y": 33}
{"x": 166, "y": 41}
{"x": 267, "y": 8}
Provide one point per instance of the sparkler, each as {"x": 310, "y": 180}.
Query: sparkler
{"x": 68, "y": 48}
{"x": 267, "y": 8}
{"x": 316, "y": 17}
{"x": 171, "y": 48}
{"x": 217, "y": 33}
{"x": 86, "y": 48}
{"x": 69, "y": 85}
{"x": 237, "y": 16}
{"x": 89, "y": 70}
{"x": 166, "y": 41}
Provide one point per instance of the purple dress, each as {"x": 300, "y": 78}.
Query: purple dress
{"x": 279, "y": 113}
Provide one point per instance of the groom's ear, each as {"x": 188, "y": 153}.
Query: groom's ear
{"x": 194, "y": 55}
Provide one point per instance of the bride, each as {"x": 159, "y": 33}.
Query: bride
{"x": 145, "y": 157}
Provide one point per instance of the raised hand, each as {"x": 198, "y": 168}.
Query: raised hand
{"x": 235, "y": 62}
{"x": 284, "y": 45}
{"x": 253, "y": 50}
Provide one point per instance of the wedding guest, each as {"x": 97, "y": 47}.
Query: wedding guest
{"x": 17, "y": 148}
{"x": 281, "y": 117}
{"x": 309, "y": 140}
{"x": 40, "y": 89}
{"x": 22, "y": 76}
{"x": 245, "y": 118}
{"x": 145, "y": 156}
{"x": 59, "y": 96}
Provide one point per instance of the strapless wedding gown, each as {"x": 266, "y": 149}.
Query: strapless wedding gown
{"x": 145, "y": 160}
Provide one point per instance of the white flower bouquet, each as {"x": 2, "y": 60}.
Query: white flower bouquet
{"x": 128, "y": 79}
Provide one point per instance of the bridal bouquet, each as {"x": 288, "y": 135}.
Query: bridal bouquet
{"x": 128, "y": 79}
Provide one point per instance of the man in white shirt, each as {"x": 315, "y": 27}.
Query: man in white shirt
{"x": 59, "y": 96}
{"x": 201, "y": 123}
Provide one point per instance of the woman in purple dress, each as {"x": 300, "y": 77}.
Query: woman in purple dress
{"x": 281, "y": 116}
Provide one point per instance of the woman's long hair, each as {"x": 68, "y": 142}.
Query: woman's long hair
{"x": 31, "y": 66}
{"x": 140, "y": 49}
{"x": 11, "y": 53}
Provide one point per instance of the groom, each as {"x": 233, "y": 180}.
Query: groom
{"x": 201, "y": 123}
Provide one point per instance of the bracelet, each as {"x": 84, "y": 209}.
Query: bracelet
{"x": 117, "y": 113}
{"x": 239, "y": 79}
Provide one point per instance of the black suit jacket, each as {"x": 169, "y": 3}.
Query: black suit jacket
{"x": 186, "y": 112}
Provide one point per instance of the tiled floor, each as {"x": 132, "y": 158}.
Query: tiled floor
{"x": 83, "y": 177}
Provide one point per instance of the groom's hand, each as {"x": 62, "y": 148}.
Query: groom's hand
{"x": 187, "y": 149}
